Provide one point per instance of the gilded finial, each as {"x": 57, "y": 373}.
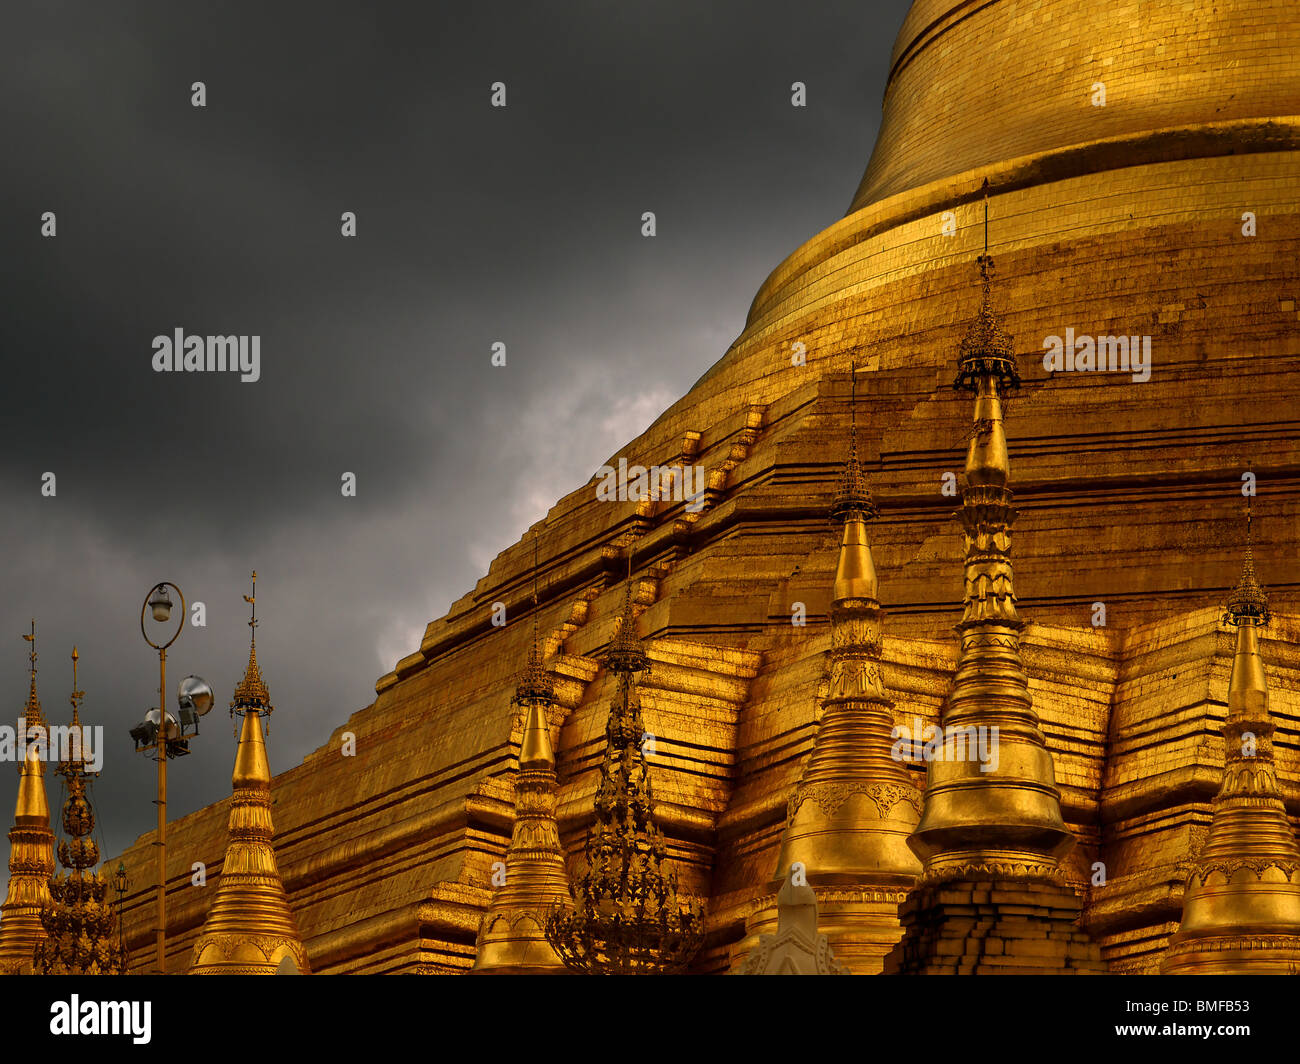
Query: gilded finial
{"x": 251, "y": 694}
{"x": 74, "y": 767}
{"x": 77, "y": 755}
{"x": 77, "y": 695}
{"x": 1248, "y": 598}
{"x": 32, "y": 712}
{"x": 854, "y": 496}
{"x": 535, "y": 684}
{"x": 985, "y": 262}
{"x": 986, "y": 349}
{"x": 626, "y": 654}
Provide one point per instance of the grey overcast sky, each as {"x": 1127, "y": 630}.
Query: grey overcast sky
{"x": 474, "y": 225}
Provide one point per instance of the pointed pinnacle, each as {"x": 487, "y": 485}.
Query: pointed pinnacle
{"x": 1247, "y": 598}
{"x": 626, "y": 654}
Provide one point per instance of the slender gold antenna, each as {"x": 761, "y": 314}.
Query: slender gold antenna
{"x": 77, "y": 695}
{"x": 32, "y": 715}
{"x": 852, "y": 471}
{"x": 986, "y": 216}
{"x": 853, "y": 405}
{"x": 1249, "y": 518}
{"x": 252, "y": 601}
{"x": 535, "y": 563}
{"x": 1250, "y": 537}
{"x": 534, "y": 683}
{"x": 31, "y": 656}
{"x": 75, "y": 698}
{"x": 985, "y": 261}
{"x": 252, "y": 646}
{"x": 1248, "y": 598}
{"x": 627, "y": 589}
{"x": 853, "y": 499}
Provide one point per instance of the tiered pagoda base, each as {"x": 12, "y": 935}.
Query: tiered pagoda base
{"x": 993, "y": 927}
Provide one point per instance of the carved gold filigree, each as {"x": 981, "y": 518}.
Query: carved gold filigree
{"x": 627, "y": 917}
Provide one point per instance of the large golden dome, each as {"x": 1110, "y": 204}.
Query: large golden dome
{"x": 976, "y": 82}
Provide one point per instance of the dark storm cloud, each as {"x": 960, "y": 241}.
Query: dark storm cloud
{"x": 475, "y": 225}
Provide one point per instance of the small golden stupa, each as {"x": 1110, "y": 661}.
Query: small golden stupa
{"x": 855, "y": 804}
{"x": 79, "y": 921}
{"x": 991, "y": 836}
{"x": 31, "y": 844}
{"x": 1241, "y": 911}
{"x": 512, "y": 935}
{"x": 250, "y": 928}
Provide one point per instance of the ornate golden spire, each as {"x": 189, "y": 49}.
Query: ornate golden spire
{"x": 1241, "y": 909}
{"x": 251, "y": 694}
{"x": 535, "y": 688}
{"x": 32, "y": 713}
{"x": 80, "y": 925}
{"x": 986, "y": 349}
{"x": 535, "y": 694}
{"x": 31, "y": 846}
{"x": 1002, "y": 814}
{"x": 991, "y": 835}
{"x": 855, "y": 805}
{"x": 512, "y": 935}
{"x": 628, "y": 919}
{"x": 1248, "y": 600}
{"x": 854, "y": 496}
{"x": 250, "y": 928}
{"x": 626, "y": 655}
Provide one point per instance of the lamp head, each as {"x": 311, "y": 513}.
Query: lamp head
{"x": 160, "y": 603}
{"x": 143, "y": 733}
{"x": 195, "y": 693}
{"x": 171, "y": 730}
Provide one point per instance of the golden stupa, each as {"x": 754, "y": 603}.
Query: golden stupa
{"x": 1241, "y": 913}
{"x": 855, "y": 803}
{"x": 1143, "y": 183}
{"x": 31, "y": 843}
{"x": 533, "y": 880}
{"x": 250, "y": 929}
{"x": 80, "y": 920}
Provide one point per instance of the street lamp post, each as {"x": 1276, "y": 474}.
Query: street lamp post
{"x": 160, "y": 604}
{"x": 120, "y": 884}
{"x": 166, "y": 737}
